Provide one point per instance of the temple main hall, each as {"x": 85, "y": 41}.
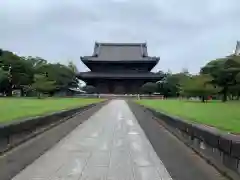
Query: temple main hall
{"x": 119, "y": 68}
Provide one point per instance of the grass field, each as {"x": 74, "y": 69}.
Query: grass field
{"x": 17, "y": 108}
{"x": 224, "y": 116}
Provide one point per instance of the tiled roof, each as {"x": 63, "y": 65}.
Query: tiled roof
{"x": 120, "y": 52}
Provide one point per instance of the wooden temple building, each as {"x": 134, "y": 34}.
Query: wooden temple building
{"x": 119, "y": 68}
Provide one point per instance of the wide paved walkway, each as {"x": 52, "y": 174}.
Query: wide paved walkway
{"x": 110, "y": 145}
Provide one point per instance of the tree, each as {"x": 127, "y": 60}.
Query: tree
{"x": 43, "y": 85}
{"x": 35, "y": 62}
{"x": 21, "y": 73}
{"x": 170, "y": 85}
{"x": 149, "y": 88}
{"x": 224, "y": 72}
{"x": 234, "y": 91}
{"x": 90, "y": 89}
{"x": 4, "y": 81}
{"x": 3, "y": 75}
{"x": 61, "y": 74}
{"x": 199, "y": 86}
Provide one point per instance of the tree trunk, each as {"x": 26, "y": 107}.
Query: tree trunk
{"x": 224, "y": 98}
{"x": 51, "y": 94}
{"x": 39, "y": 95}
{"x": 22, "y": 92}
{"x": 9, "y": 91}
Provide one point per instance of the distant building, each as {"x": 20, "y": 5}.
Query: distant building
{"x": 119, "y": 68}
{"x": 237, "y": 50}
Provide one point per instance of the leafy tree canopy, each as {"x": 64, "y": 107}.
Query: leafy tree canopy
{"x": 199, "y": 86}
{"x": 149, "y": 88}
{"x": 22, "y": 73}
{"x": 225, "y": 73}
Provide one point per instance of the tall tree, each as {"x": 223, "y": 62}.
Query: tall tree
{"x": 224, "y": 72}
{"x": 20, "y": 72}
{"x": 200, "y": 86}
{"x": 3, "y": 75}
{"x": 149, "y": 88}
{"x": 61, "y": 74}
{"x": 42, "y": 84}
{"x": 170, "y": 85}
{"x": 4, "y": 82}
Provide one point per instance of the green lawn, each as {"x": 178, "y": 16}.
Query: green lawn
{"x": 17, "y": 108}
{"x": 224, "y": 116}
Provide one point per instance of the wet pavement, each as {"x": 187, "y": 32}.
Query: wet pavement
{"x": 110, "y": 145}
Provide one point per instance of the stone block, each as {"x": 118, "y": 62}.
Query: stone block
{"x": 164, "y": 118}
{"x": 225, "y": 143}
{"x": 190, "y": 129}
{"x": 210, "y": 137}
{"x": 180, "y": 124}
{"x": 230, "y": 162}
{"x": 190, "y": 140}
{"x": 196, "y": 143}
{"x": 210, "y": 152}
{"x": 238, "y": 167}
{"x": 3, "y": 143}
{"x": 235, "y": 151}
{"x": 217, "y": 155}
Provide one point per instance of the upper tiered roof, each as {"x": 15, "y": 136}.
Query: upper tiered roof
{"x": 120, "y": 52}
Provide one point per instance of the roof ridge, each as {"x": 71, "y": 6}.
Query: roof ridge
{"x": 120, "y": 44}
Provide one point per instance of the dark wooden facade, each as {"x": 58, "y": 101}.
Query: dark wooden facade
{"x": 119, "y": 68}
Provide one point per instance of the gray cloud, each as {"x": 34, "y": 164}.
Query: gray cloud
{"x": 185, "y": 34}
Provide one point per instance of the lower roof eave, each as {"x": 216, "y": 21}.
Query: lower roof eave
{"x": 120, "y": 78}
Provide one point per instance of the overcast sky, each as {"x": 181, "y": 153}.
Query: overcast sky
{"x": 184, "y": 33}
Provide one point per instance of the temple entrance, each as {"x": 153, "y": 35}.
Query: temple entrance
{"x": 119, "y": 89}
{"x": 116, "y": 87}
{"x": 102, "y": 87}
